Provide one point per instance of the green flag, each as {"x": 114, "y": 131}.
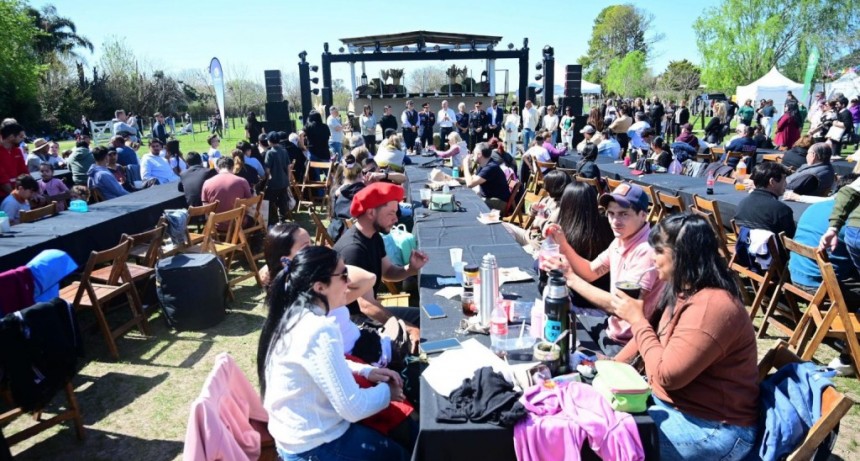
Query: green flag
{"x": 811, "y": 64}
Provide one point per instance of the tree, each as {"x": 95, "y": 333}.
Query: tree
{"x": 427, "y": 79}
{"x": 740, "y": 40}
{"x": 58, "y": 36}
{"x": 19, "y": 66}
{"x": 292, "y": 90}
{"x": 618, "y": 30}
{"x": 340, "y": 94}
{"x": 680, "y": 77}
{"x": 628, "y": 76}
{"x": 244, "y": 94}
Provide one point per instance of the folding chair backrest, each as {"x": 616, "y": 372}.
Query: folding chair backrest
{"x": 570, "y": 172}
{"x": 593, "y": 182}
{"x": 670, "y": 204}
{"x": 114, "y": 256}
{"x": 233, "y": 218}
{"x": 713, "y": 208}
{"x": 548, "y": 165}
{"x": 654, "y": 213}
{"x": 717, "y": 152}
{"x": 731, "y": 155}
{"x": 321, "y": 236}
{"x": 202, "y": 210}
{"x": 153, "y": 238}
{"x": 613, "y": 183}
{"x": 253, "y": 205}
{"x": 39, "y": 213}
{"x": 511, "y": 205}
{"x": 96, "y": 195}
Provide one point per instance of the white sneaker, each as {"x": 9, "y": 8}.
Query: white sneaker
{"x": 842, "y": 369}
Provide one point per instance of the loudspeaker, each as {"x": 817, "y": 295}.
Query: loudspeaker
{"x": 274, "y": 90}
{"x": 278, "y": 117}
{"x": 574, "y": 102}
{"x": 530, "y": 95}
{"x": 581, "y": 120}
{"x": 573, "y": 80}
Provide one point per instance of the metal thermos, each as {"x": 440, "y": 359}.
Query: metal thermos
{"x": 556, "y": 306}
{"x": 489, "y": 288}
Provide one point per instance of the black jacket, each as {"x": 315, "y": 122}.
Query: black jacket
{"x": 191, "y": 182}
{"x": 318, "y": 134}
{"x": 763, "y": 210}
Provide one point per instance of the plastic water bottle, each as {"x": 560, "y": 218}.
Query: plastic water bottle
{"x": 499, "y": 331}
{"x": 455, "y": 173}
{"x": 710, "y": 184}
{"x": 4, "y": 222}
{"x": 742, "y": 166}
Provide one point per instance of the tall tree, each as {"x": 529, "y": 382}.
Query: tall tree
{"x": 19, "y": 66}
{"x": 618, "y": 30}
{"x": 740, "y": 40}
{"x": 244, "y": 94}
{"x": 680, "y": 77}
{"x": 58, "y": 36}
{"x": 427, "y": 79}
{"x": 628, "y": 76}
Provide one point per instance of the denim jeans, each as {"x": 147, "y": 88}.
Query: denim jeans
{"x": 554, "y": 135}
{"x": 358, "y": 443}
{"x": 684, "y": 437}
{"x": 336, "y": 149}
{"x": 528, "y": 137}
{"x": 852, "y": 242}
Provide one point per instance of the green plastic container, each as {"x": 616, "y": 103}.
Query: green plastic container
{"x": 622, "y": 386}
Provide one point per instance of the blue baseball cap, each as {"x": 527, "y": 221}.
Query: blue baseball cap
{"x": 627, "y": 196}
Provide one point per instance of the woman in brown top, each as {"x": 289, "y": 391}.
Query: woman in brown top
{"x": 701, "y": 356}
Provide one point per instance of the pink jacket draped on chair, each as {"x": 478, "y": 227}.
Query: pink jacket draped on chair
{"x": 219, "y": 425}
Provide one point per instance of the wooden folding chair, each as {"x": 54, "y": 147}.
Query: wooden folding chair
{"x": 670, "y": 204}
{"x": 202, "y": 212}
{"x": 761, "y": 284}
{"x": 96, "y": 196}
{"x": 321, "y": 235}
{"x": 38, "y": 213}
{"x": 255, "y": 206}
{"x": 772, "y": 158}
{"x": 834, "y": 404}
{"x": 611, "y": 184}
{"x": 229, "y": 244}
{"x": 87, "y": 294}
{"x": 787, "y": 320}
{"x": 714, "y": 155}
{"x": 731, "y": 155}
{"x": 593, "y": 182}
{"x": 309, "y": 188}
{"x": 545, "y": 167}
{"x": 713, "y": 207}
{"x": 521, "y": 215}
{"x": 570, "y": 172}
{"x": 146, "y": 246}
{"x": 514, "y": 186}
{"x": 654, "y": 211}
{"x": 71, "y": 413}
{"x": 727, "y": 180}
{"x": 837, "y": 322}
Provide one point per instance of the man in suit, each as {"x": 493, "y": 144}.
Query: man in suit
{"x": 495, "y": 118}
{"x": 426, "y": 120}
{"x": 409, "y": 122}
{"x": 477, "y": 125}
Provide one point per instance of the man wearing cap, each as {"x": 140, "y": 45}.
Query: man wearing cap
{"x": 409, "y": 120}
{"x": 38, "y": 155}
{"x": 375, "y": 210}
{"x": 629, "y": 258}
{"x": 477, "y": 125}
{"x": 388, "y": 121}
{"x": 426, "y": 120}
{"x": 446, "y": 118}
{"x": 278, "y": 169}
{"x": 335, "y": 141}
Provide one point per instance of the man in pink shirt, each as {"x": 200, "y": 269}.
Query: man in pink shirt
{"x": 629, "y": 258}
{"x": 225, "y": 187}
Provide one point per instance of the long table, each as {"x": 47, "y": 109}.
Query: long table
{"x": 437, "y": 232}
{"x": 98, "y": 229}
{"x": 726, "y": 195}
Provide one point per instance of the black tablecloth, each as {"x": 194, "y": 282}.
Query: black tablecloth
{"x": 436, "y": 233}
{"x": 726, "y": 195}
{"x": 98, "y": 229}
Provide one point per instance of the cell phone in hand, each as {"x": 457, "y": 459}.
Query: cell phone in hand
{"x": 434, "y": 311}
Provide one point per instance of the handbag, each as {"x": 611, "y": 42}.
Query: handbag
{"x": 623, "y": 387}
{"x": 835, "y": 133}
{"x": 399, "y": 244}
{"x": 440, "y": 201}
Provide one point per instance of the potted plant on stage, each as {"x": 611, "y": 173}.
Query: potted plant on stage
{"x": 396, "y": 76}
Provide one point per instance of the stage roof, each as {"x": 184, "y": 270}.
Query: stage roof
{"x": 423, "y": 37}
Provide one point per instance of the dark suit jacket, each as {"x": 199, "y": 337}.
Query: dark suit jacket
{"x": 499, "y": 116}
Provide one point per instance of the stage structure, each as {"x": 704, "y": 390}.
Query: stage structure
{"x": 416, "y": 46}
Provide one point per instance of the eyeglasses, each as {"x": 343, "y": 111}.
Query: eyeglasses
{"x": 343, "y": 276}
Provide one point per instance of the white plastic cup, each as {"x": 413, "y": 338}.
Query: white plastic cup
{"x": 456, "y": 256}
{"x": 458, "y": 271}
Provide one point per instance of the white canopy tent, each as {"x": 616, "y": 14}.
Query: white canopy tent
{"x": 772, "y": 85}
{"x": 848, "y": 84}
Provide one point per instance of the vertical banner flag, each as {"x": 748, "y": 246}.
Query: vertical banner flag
{"x": 811, "y": 65}
{"x": 217, "y": 76}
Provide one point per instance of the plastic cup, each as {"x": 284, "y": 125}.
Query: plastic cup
{"x": 631, "y": 289}
{"x": 425, "y": 197}
{"x": 456, "y": 256}
{"x": 467, "y": 301}
{"x": 458, "y": 271}
{"x": 548, "y": 250}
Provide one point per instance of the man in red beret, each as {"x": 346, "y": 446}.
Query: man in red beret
{"x": 375, "y": 210}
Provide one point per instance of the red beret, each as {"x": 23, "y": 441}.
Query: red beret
{"x": 374, "y": 195}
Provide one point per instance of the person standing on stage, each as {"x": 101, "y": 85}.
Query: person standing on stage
{"x": 368, "y": 128}
{"x": 463, "y": 122}
{"x": 512, "y": 130}
{"x": 426, "y": 120}
{"x": 495, "y": 117}
{"x": 530, "y": 121}
{"x": 409, "y": 120}
{"x": 388, "y": 120}
{"x": 477, "y": 125}
{"x": 446, "y": 118}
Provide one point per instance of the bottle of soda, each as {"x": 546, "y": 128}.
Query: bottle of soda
{"x": 498, "y": 330}
{"x": 710, "y": 184}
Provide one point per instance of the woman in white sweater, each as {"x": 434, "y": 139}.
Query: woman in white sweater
{"x": 512, "y": 130}
{"x": 308, "y": 389}
{"x": 550, "y": 123}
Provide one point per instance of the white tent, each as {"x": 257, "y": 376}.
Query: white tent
{"x": 774, "y": 86}
{"x": 848, "y": 84}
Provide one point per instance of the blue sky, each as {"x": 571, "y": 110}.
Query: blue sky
{"x": 257, "y": 34}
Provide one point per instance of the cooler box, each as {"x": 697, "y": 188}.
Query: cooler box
{"x": 192, "y": 289}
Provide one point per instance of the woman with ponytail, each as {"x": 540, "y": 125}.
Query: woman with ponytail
{"x": 308, "y": 387}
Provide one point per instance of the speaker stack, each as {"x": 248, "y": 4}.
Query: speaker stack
{"x": 277, "y": 109}
{"x": 573, "y": 89}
